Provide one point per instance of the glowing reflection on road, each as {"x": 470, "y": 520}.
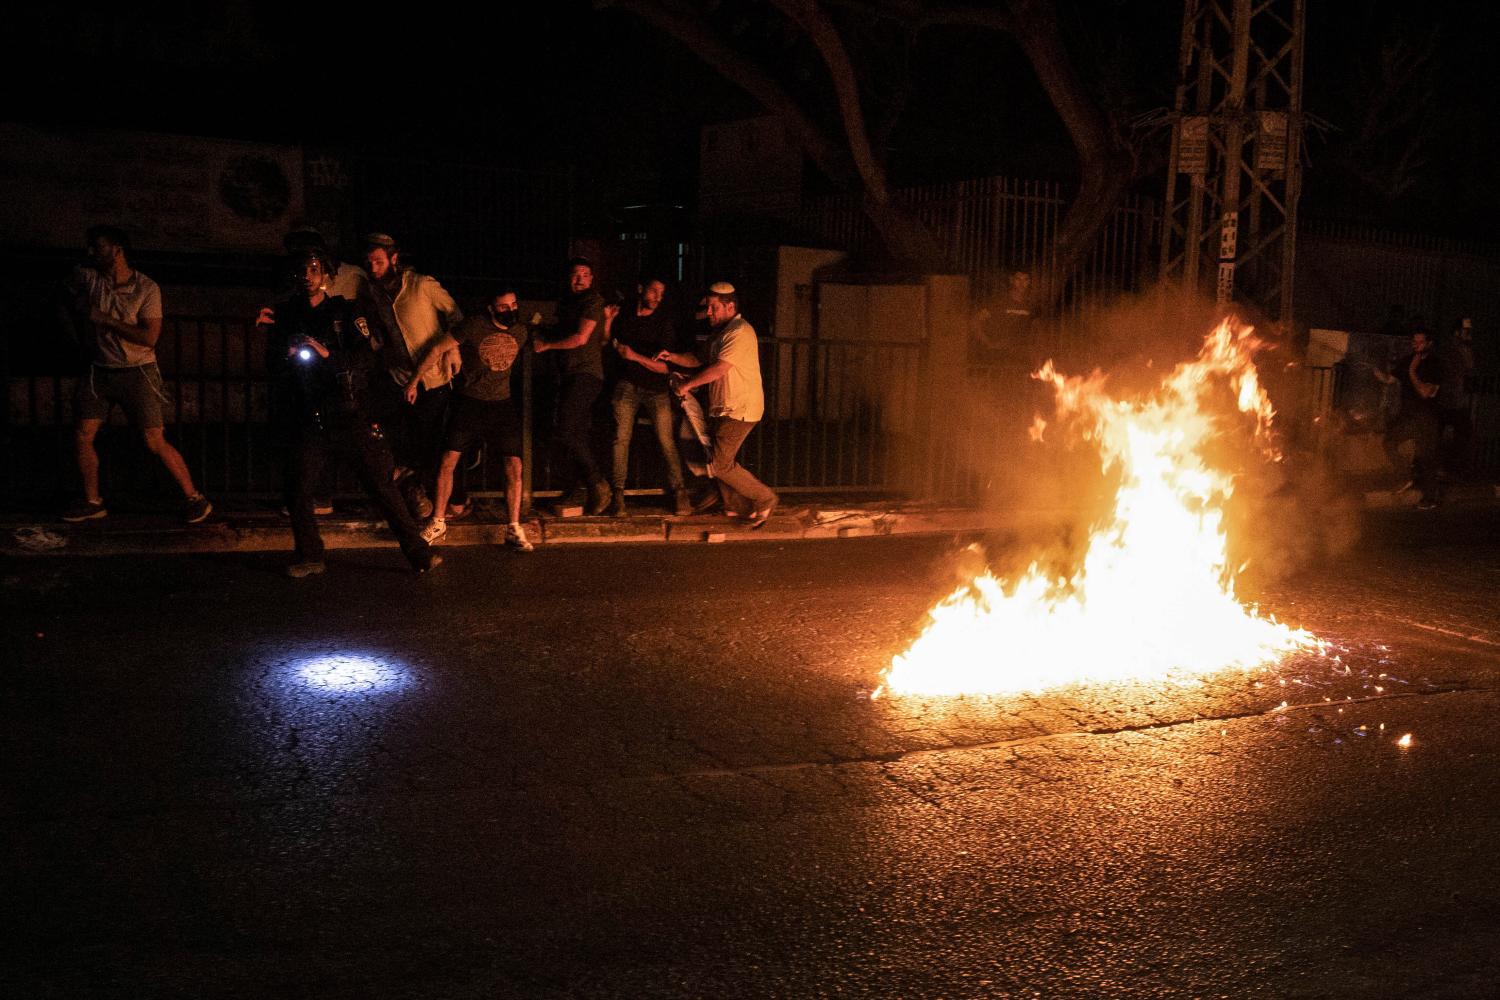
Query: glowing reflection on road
{"x": 351, "y": 673}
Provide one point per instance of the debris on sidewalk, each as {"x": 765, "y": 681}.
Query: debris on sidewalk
{"x": 35, "y": 538}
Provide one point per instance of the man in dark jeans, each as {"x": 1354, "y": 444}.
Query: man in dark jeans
{"x": 577, "y": 339}
{"x": 322, "y": 350}
{"x": 1455, "y": 427}
{"x": 639, "y": 334}
{"x": 1420, "y": 376}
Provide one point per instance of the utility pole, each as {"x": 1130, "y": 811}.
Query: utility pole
{"x": 1234, "y": 177}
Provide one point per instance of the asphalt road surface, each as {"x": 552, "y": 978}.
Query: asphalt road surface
{"x": 653, "y": 771}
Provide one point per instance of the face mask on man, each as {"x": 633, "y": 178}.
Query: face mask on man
{"x": 506, "y": 317}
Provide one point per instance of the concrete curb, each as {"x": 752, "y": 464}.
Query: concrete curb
{"x": 261, "y": 533}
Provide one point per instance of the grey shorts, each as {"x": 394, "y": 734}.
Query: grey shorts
{"x": 138, "y": 391}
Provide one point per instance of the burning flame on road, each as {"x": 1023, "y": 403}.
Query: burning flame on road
{"x": 1154, "y": 597}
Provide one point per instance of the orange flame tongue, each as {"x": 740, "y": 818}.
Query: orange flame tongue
{"x": 1154, "y": 598}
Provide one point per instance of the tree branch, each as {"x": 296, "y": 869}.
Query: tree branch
{"x": 806, "y": 15}
{"x": 695, "y": 33}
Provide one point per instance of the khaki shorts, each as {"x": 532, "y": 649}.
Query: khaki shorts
{"x": 138, "y": 391}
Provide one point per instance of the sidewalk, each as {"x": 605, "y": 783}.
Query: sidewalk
{"x": 261, "y": 530}
{"x": 267, "y": 531}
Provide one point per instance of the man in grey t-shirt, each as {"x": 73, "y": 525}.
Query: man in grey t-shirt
{"x": 119, "y": 308}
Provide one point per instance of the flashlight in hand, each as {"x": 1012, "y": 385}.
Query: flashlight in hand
{"x": 305, "y": 354}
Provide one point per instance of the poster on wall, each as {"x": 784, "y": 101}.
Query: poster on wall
{"x": 172, "y": 193}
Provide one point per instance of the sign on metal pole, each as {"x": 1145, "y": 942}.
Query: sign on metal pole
{"x": 1229, "y": 235}
{"x": 1226, "y": 282}
{"x": 1192, "y": 145}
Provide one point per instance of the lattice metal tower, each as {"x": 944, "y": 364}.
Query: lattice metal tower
{"x": 1230, "y": 215}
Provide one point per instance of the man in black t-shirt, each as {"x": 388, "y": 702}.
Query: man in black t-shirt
{"x": 578, "y": 340}
{"x": 639, "y": 333}
{"x": 1420, "y": 375}
{"x": 483, "y": 411}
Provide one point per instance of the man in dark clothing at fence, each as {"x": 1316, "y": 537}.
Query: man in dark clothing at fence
{"x": 1455, "y": 428}
{"x": 1420, "y": 376}
{"x": 322, "y": 350}
{"x": 577, "y": 338}
{"x": 119, "y": 310}
{"x": 640, "y": 332}
{"x": 349, "y": 281}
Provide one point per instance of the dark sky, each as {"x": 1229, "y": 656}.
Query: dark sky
{"x": 560, "y": 83}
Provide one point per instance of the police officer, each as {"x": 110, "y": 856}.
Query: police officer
{"x": 322, "y": 351}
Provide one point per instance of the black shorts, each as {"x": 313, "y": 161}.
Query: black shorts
{"x": 475, "y": 421}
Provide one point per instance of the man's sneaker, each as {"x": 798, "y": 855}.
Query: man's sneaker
{"x": 307, "y": 567}
{"x": 436, "y": 528}
{"x": 85, "y": 510}
{"x": 682, "y": 505}
{"x": 197, "y": 509}
{"x": 617, "y": 504}
{"x": 760, "y": 517}
{"x": 600, "y": 496}
{"x": 515, "y": 537}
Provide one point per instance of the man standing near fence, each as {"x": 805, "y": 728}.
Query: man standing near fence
{"x": 484, "y": 415}
{"x": 639, "y": 333}
{"x": 119, "y": 308}
{"x": 577, "y": 338}
{"x": 1420, "y": 376}
{"x": 730, "y": 366}
{"x": 416, "y": 311}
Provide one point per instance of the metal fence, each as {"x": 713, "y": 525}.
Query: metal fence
{"x": 990, "y": 226}
{"x": 839, "y": 416}
{"x": 1362, "y": 278}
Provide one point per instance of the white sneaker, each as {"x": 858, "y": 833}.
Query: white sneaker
{"x": 515, "y": 536}
{"x": 436, "y": 528}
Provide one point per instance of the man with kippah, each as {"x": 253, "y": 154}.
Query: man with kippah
{"x": 730, "y": 367}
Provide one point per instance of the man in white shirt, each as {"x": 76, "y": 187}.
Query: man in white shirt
{"x": 120, "y": 308}
{"x": 730, "y": 367}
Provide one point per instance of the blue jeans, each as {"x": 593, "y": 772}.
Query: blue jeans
{"x": 628, "y": 400}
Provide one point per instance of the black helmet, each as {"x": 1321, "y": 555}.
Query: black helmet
{"x": 299, "y": 254}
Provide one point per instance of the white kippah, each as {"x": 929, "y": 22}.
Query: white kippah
{"x": 721, "y": 288}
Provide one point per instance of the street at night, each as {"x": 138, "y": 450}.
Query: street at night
{"x": 717, "y": 499}
{"x": 657, "y": 771}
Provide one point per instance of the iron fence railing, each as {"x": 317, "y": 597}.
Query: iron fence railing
{"x": 839, "y": 416}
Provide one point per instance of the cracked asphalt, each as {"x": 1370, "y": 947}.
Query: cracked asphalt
{"x": 656, "y": 771}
